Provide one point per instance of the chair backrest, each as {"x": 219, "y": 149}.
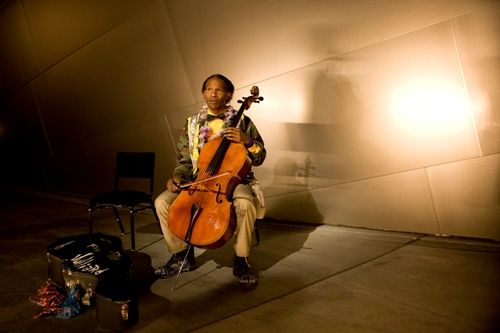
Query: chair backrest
{"x": 135, "y": 166}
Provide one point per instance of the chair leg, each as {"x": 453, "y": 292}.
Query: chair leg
{"x": 118, "y": 220}
{"x": 157, "y": 219}
{"x": 132, "y": 230}
{"x": 90, "y": 221}
{"x": 256, "y": 230}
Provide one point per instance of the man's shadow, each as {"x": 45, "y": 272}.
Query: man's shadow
{"x": 278, "y": 240}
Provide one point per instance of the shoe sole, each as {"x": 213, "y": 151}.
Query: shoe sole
{"x": 160, "y": 276}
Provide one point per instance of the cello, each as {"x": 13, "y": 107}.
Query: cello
{"x": 202, "y": 215}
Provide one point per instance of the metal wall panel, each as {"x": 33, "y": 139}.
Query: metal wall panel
{"x": 90, "y": 168}
{"x": 60, "y": 28}
{"x": 349, "y": 139}
{"x": 127, "y": 78}
{"x": 396, "y": 202}
{"x": 18, "y": 60}
{"x": 23, "y": 143}
{"x": 341, "y": 113}
{"x": 467, "y": 197}
{"x": 478, "y": 40}
{"x": 112, "y": 85}
{"x": 254, "y": 41}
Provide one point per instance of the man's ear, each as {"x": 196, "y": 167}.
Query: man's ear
{"x": 229, "y": 97}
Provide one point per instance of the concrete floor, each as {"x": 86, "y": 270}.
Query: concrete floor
{"x": 312, "y": 278}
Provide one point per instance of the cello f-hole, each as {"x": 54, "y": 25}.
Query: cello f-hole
{"x": 217, "y": 199}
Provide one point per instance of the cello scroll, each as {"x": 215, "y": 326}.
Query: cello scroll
{"x": 254, "y": 98}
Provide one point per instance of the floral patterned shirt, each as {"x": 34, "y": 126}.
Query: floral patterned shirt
{"x": 196, "y": 132}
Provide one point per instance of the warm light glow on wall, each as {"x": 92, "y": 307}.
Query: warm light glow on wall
{"x": 292, "y": 108}
{"x": 430, "y": 106}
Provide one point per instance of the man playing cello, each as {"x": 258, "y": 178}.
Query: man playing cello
{"x": 212, "y": 121}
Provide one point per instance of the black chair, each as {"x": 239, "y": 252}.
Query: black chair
{"x": 131, "y": 168}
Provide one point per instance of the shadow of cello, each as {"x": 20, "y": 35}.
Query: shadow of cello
{"x": 151, "y": 305}
{"x": 279, "y": 238}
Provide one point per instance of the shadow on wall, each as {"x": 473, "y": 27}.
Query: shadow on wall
{"x": 341, "y": 127}
{"x": 289, "y": 198}
{"x": 330, "y": 143}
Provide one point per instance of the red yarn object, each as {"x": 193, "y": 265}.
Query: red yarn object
{"x": 50, "y": 297}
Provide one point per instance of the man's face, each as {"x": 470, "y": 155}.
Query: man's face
{"x": 216, "y": 96}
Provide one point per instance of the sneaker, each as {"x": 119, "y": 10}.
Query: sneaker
{"x": 174, "y": 264}
{"x": 247, "y": 280}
